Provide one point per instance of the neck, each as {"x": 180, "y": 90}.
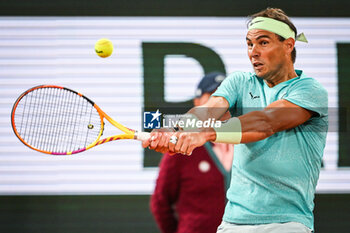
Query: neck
{"x": 284, "y": 73}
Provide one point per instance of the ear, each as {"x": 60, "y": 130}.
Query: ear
{"x": 289, "y": 45}
{"x": 196, "y": 101}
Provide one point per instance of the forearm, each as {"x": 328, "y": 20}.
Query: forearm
{"x": 256, "y": 126}
{"x": 215, "y": 108}
{"x": 278, "y": 116}
{"x": 250, "y": 127}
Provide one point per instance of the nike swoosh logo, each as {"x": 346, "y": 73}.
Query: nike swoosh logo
{"x": 252, "y": 23}
{"x": 253, "y": 97}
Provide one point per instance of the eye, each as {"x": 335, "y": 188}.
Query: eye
{"x": 249, "y": 44}
{"x": 264, "y": 42}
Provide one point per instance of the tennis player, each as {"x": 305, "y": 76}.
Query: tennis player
{"x": 280, "y": 132}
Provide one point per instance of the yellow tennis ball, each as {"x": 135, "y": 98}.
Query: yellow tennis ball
{"x": 104, "y": 47}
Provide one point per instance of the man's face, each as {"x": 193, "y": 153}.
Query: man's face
{"x": 266, "y": 53}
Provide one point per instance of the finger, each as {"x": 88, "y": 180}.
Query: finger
{"x": 163, "y": 144}
{"x": 190, "y": 150}
{"x": 186, "y": 144}
{"x": 171, "y": 146}
{"x": 184, "y": 147}
{"x": 163, "y": 141}
{"x": 155, "y": 136}
{"x": 180, "y": 142}
{"x": 146, "y": 143}
{"x": 166, "y": 141}
{"x": 162, "y": 150}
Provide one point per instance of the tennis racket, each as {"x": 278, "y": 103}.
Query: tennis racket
{"x": 59, "y": 121}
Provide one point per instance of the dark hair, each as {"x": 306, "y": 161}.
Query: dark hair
{"x": 278, "y": 14}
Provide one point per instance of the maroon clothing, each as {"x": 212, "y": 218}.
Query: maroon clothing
{"x": 189, "y": 196}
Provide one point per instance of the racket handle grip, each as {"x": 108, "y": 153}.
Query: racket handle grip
{"x": 142, "y": 136}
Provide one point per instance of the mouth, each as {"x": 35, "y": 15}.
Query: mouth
{"x": 257, "y": 65}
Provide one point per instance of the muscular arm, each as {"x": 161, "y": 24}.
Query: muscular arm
{"x": 215, "y": 108}
{"x": 257, "y": 125}
{"x": 278, "y": 116}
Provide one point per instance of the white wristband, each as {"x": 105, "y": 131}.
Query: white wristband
{"x": 229, "y": 132}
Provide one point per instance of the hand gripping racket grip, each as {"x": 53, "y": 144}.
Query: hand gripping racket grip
{"x": 141, "y": 136}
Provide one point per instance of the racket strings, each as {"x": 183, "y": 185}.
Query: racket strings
{"x": 57, "y": 120}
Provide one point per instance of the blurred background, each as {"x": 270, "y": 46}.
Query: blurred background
{"x": 161, "y": 50}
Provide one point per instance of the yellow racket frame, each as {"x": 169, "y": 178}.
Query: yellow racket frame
{"x": 128, "y": 133}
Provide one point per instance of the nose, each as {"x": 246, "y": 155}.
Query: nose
{"x": 254, "y": 51}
